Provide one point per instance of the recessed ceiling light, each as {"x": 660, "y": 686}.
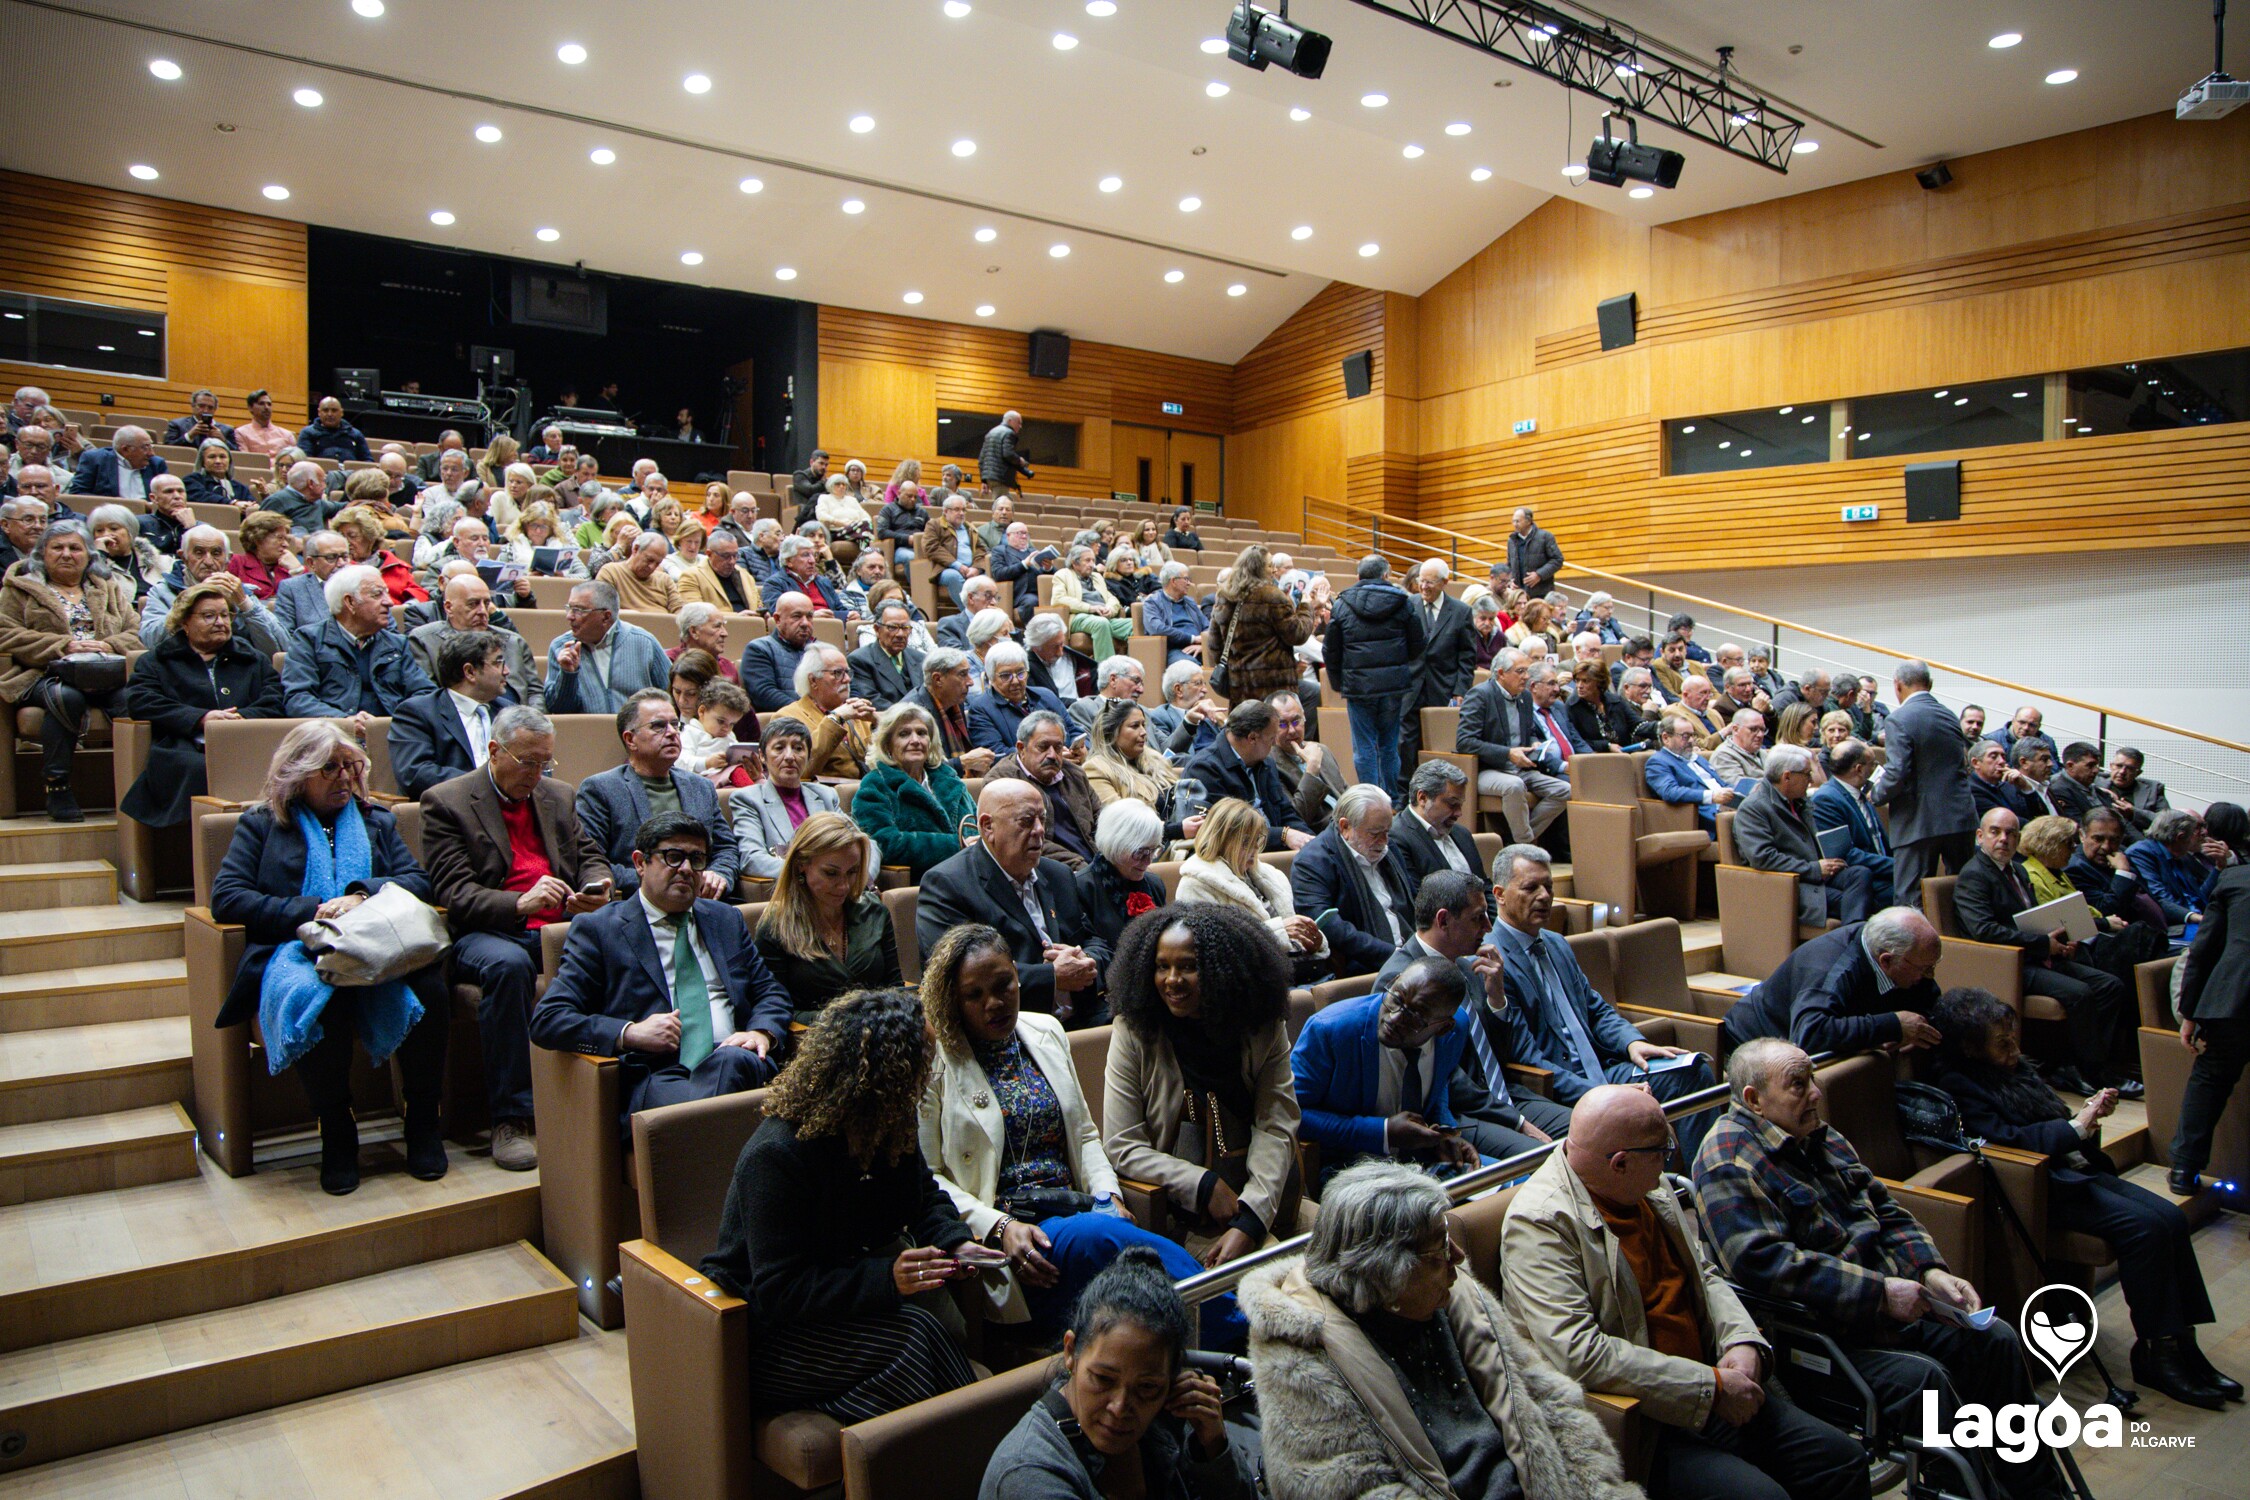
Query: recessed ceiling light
{"x": 1174, "y": 278}
{"x": 861, "y": 124}
{"x": 1190, "y": 204}
{"x": 1374, "y": 101}
{"x": 1300, "y": 115}
{"x": 987, "y": 236}
{"x": 309, "y": 98}
{"x": 913, "y": 299}
{"x": 2021, "y": 396}
{"x": 601, "y": 156}
{"x": 1064, "y": 41}
{"x": 2063, "y": 75}
{"x": 789, "y": 273}
{"x": 548, "y": 236}
{"x": 571, "y": 53}
{"x": 489, "y": 134}
{"x": 1939, "y": 395}
{"x": 276, "y": 191}
{"x": 1216, "y": 89}
{"x": 146, "y": 333}
{"x": 1110, "y": 184}
{"x": 1726, "y": 442}
{"x": 1745, "y": 453}
{"x": 956, "y": 9}
{"x": 1480, "y": 174}
{"x": 165, "y": 69}
{"x": 1642, "y": 192}
{"x": 1574, "y": 170}
{"x": 14, "y": 317}
{"x": 854, "y": 206}
{"x": 1301, "y": 232}
{"x": 1960, "y": 401}
{"x": 986, "y": 309}
{"x": 1807, "y": 417}
{"x": 368, "y": 8}
{"x": 964, "y": 147}
{"x": 143, "y": 172}
{"x": 2005, "y": 40}
{"x": 1690, "y": 427}
{"x": 696, "y": 83}
{"x": 107, "y": 348}
{"x": 1411, "y": 152}
{"x": 1805, "y": 148}
{"x": 1458, "y": 127}
{"x": 1370, "y": 248}
{"x": 1214, "y": 46}
{"x": 753, "y": 185}
{"x": 1237, "y": 290}
{"x": 1101, "y": 9}
{"x": 441, "y": 218}
{"x": 691, "y": 257}
{"x": 1785, "y": 411}
{"x": 1058, "y": 251}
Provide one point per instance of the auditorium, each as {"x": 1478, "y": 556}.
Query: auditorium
{"x": 1240, "y": 750}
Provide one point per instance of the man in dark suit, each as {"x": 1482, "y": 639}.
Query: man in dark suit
{"x": 1428, "y": 837}
{"x": 886, "y": 670}
{"x": 1534, "y": 556}
{"x": 467, "y": 606}
{"x": 1994, "y": 783}
{"x": 200, "y": 425}
{"x": 1009, "y": 696}
{"x": 506, "y": 856}
{"x": 446, "y": 731}
{"x": 615, "y": 803}
{"x": 1001, "y": 880}
{"x": 1841, "y": 802}
{"x": 1072, "y": 807}
{"x": 1448, "y": 664}
{"x": 1360, "y": 1101}
{"x": 1310, "y": 773}
{"x": 2215, "y": 1021}
{"x": 1239, "y": 764}
{"x": 945, "y": 693}
{"x": 1516, "y": 762}
{"x": 1863, "y": 985}
{"x": 352, "y": 666}
{"x": 1773, "y": 830}
{"x": 2073, "y": 789}
{"x": 978, "y": 594}
{"x": 1012, "y": 565}
{"x": 1925, "y": 785}
{"x": 122, "y": 470}
{"x": 1991, "y": 891}
{"x": 299, "y": 604}
{"x": 1349, "y": 876}
{"x": 669, "y": 983}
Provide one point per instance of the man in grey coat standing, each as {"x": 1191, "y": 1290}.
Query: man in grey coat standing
{"x": 998, "y": 463}
{"x": 1925, "y": 785}
{"x": 1534, "y": 555}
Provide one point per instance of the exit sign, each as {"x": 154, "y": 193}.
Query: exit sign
{"x": 1528, "y": 424}
{"x": 1859, "y": 512}
{"x": 1174, "y": 409}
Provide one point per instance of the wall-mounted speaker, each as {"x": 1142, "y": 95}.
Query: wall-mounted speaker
{"x": 1359, "y": 373}
{"x": 1619, "y": 317}
{"x": 1934, "y": 176}
{"x": 1933, "y": 491}
{"x": 1050, "y": 354}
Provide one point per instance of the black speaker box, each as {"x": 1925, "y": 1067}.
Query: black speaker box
{"x": 1933, "y": 491}
{"x": 1359, "y": 373}
{"x": 1618, "y": 317}
{"x": 1050, "y": 354}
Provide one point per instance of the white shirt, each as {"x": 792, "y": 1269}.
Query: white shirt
{"x": 476, "y": 723}
{"x": 1445, "y": 844}
{"x": 130, "y": 485}
{"x": 1027, "y": 891}
{"x": 1376, "y": 884}
{"x": 722, "y": 1009}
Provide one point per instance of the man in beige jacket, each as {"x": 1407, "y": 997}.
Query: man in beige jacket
{"x": 1607, "y": 1275}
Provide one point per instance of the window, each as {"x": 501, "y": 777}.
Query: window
{"x": 1978, "y": 415}
{"x": 1768, "y": 438}
{"x": 81, "y": 336}
{"x": 2157, "y": 394}
{"x": 960, "y": 436}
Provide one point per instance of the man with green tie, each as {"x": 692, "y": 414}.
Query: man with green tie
{"x": 668, "y": 982}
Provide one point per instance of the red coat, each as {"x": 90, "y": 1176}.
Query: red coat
{"x": 398, "y": 577}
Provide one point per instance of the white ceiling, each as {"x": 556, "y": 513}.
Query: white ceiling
{"x": 393, "y": 140}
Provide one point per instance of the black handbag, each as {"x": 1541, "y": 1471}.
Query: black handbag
{"x": 89, "y": 673}
{"x": 1037, "y": 1205}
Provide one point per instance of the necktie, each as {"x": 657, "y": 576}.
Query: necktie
{"x": 1555, "y": 733}
{"x": 480, "y": 736}
{"x": 691, "y": 996}
{"x": 1410, "y": 1089}
{"x": 1589, "y": 1060}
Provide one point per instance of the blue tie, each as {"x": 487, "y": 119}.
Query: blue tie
{"x": 1589, "y": 1060}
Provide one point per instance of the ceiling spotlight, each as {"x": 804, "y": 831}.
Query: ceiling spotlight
{"x": 1300, "y": 115}
{"x": 1257, "y": 38}
{"x": 1939, "y": 395}
{"x": 696, "y": 83}
{"x": 789, "y": 273}
{"x": 1301, "y": 232}
{"x": 1805, "y": 148}
{"x": 752, "y": 185}
{"x": 691, "y": 257}
{"x": 1216, "y": 89}
{"x": 1237, "y": 290}
{"x": 1064, "y": 41}
{"x": 1110, "y": 184}
{"x": 309, "y": 98}
{"x": 912, "y": 299}
{"x": 368, "y": 8}
{"x": 1214, "y": 45}
{"x": 548, "y": 236}
{"x": 165, "y": 69}
{"x": 1411, "y": 152}
{"x": 144, "y": 172}
{"x": 956, "y": 9}
{"x": 1960, "y": 401}
{"x": 987, "y": 236}
{"x": 1458, "y": 127}
{"x": 861, "y": 124}
{"x": 1784, "y": 411}
{"x": 1726, "y": 442}
{"x": 602, "y": 156}
{"x": 276, "y": 192}
{"x": 1808, "y": 417}
{"x": 986, "y": 309}
{"x": 1190, "y": 205}
{"x": 1058, "y": 251}
{"x": 441, "y": 219}
{"x": 1642, "y": 192}
{"x": 1101, "y": 9}
{"x": 107, "y": 348}
{"x": 854, "y": 206}
{"x": 2063, "y": 75}
{"x": 146, "y": 333}
{"x": 1174, "y": 278}
{"x": 489, "y": 134}
{"x": 1610, "y": 161}
{"x": 964, "y": 147}
{"x": 1689, "y": 428}
{"x": 2021, "y": 396}
{"x": 2005, "y": 40}
{"x": 1370, "y": 248}
{"x": 1574, "y": 170}
{"x": 1374, "y": 101}
{"x": 1480, "y": 174}
{"x": 570, "y": 53}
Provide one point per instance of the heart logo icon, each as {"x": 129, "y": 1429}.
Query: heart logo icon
{"x": 2058, "y": 1325}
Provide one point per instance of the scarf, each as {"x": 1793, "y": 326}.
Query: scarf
{"x": 292, "y": 995}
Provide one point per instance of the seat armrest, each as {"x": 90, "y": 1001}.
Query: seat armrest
{"x": 1955, "y": 1222}
{"x": 1540, "y": 1081}
{"x": 220, "y": 1061}
{"x": 1629, "y": 1431}
{"x": 2024, "y": 1177}
{"x": 1150, "y": 1206}
{"x": 1696, "y": 1033}
{"x": 586, "y": 1205}
{"x": 692, "y": 1414}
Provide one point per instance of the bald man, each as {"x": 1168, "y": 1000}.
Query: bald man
{"x": 468, "y": 606}
{"x": 1002, "y": 880}
{"x": 1671, "y": 1333}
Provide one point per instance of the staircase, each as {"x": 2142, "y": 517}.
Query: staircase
{"x": 163, "y": 1325}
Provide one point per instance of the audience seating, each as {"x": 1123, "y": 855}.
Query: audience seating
{"x": 149, "y": 860}
{"x": 1628, "y": 851}
{"x": 1986, "y": 966}
{"x": 1758, "y": 926}
{"x": 1598, "y": 952}
{"x": 23, "y": 781}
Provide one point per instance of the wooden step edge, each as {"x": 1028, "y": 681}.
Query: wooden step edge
{"x": 126, "y": 922}
{"x": 196, "y": 1393}
{"x": 39, "y": 983}
{"x": 185, "y": 1058}
{"x": 178, "y": 1127}
{"x": 611, "y": 1476}
{"x": 58, "y": 869}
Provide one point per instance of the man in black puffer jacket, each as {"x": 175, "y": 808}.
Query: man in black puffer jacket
{"x": 1373, "y": 655}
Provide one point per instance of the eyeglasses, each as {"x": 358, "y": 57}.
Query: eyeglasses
{"x": 540, "y": 763}
{"x": 690, "y": 859}
{"x": 661, "y": 727}
{"x": 341, "y": 766}
{"x": 1665, "y": 1147}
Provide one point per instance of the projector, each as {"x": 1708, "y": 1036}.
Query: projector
{"x": 2214, "y": 98}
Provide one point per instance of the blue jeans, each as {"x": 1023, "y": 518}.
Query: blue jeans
{"x": 950, "y": 580}
{"x": 1084, "y": 1243}
{"x": 1375, "y": 725}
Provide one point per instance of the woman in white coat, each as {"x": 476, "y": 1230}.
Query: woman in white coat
{"x": 1006, "y": 1129}
{"x": 1225, "y": 870}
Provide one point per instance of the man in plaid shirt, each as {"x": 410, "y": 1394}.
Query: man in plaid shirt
{"x": 1797, "y": 1216}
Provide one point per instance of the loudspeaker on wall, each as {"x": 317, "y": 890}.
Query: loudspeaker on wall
{"x": 1050, "y": 354}
{"x": 1619, "y": 319}
{"x": 1933, "y": 491}
{"x": 1359, "y": 373}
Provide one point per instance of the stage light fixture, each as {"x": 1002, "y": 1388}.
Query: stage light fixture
{"x": 1258, "y": 38}
{"x": 1612, "y": 162}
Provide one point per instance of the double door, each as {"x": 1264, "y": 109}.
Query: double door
{"x": 1166, "y": 467}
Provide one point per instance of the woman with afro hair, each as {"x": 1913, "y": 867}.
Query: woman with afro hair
{"x": 1199, "y": 1098}
{"x": 835, "y": 1233}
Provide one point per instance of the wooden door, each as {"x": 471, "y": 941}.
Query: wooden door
{"x": 1197, "y": 469}
{"x": 1140, "y": 462}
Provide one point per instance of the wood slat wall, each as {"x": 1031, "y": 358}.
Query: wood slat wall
{"x": 1298, "y": 368}
{"x": 231, "y": 286}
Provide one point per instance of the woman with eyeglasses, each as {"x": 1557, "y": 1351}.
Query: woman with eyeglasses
{"x": 825, "y": 932}
{"x": 63, "y": 633}
{"x": 315, "y": 846}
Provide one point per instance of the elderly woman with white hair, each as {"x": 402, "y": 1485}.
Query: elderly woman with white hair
{"x": 212, "y": 481}
{"x": 64, "y": 639}
{"x": 845, "y": 515}
{"x": 315, "y": 846}
{"x": 1117, "y": 887}
{"x": 1094, "y": 612}
{"x": 1600, "y": 617}
{"x": 1382, "y": 1370}
{"x": 986, "y": 628}
{"x": 134, "y": 562}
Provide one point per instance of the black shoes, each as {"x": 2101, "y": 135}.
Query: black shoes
{"x": 2066, "y": 1079}
{"x": 2183, "y": 1183}
{"x": 425, "y": 1143}
{"x": 2171, "y": 1365}
{"x": 62, "y": 804}
{"x": 339, "y": 1153}
{"x": 2129, "y": 1088}
{"x": 2231, "y": 1389}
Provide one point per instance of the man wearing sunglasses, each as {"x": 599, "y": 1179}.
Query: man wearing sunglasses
{"x": 615, "y": 803}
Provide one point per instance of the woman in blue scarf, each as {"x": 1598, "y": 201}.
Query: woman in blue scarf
{"x": 315, "y": 847}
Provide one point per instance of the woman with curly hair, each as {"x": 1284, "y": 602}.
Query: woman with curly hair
{"x": 1199, "y": 1098}
{"x": 835, "y": 1233}
{"x": 1009, "y": 1135}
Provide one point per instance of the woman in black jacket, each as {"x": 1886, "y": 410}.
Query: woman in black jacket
{"x": 2004, "y": 1100}
{"x": 198, "y": 672}
{"x": 212, "y": 481}
{"x": 835, "y": 1232}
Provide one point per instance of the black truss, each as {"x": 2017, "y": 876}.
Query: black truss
{"x": 1628, "y": 76}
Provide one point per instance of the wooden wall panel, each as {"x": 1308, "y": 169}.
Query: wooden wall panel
{"x": 1271, "y": 469}
{"x": 1298, "y": 368}
{"x": 876, "y": 412}
{"x": 231, "y": 287}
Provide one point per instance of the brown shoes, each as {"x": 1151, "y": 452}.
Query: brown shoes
{"x": 513, "y": 1149}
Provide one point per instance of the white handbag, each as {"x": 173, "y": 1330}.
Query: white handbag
{"x": 388, "y": 936}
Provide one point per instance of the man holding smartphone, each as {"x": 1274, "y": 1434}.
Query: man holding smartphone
{"x": 507, "y": 855}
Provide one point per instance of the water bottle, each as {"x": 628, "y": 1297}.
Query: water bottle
{"x": 1105, "y": 1203}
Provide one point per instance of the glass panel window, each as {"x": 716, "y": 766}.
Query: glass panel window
{"x": 81, "y": 335}
{"x": 2153, "y": 395}
{"x": 1977, "y": 415}
{"x": 960, "y": 436}
{"x": 1769, "y": 437}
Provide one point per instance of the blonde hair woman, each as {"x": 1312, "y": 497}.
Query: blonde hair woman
{"x": 716, "y": 500}
{"x": 498, "y": 454}
{"x": 1119, "y": 761}
{"x": 539, "y": 526}
{"x": 1225, "y": 870}
{"x": 909, "y": 471}
{"x": 364, "y": 531}
{"x": 824, "y": 933}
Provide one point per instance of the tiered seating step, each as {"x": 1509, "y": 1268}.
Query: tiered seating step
{"x": 73, "y": 937}
{"x": 58, "y": 882}
{"x": 62, "y": 1071}
{"x": 141, "y": 991}
{"x": 1699, "y": 944}
{"x": 108, "y": 1389}
{"x": 95, "y": 1153}
{"x": 30, "y": 839}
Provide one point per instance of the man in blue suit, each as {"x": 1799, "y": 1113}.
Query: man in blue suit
{"x": 1925, "y": 784}
{"x": 123, "y": 470}
{"x": 1568, "y": 1027}
{"x": 1677, "y": 773}
{"x": 1374, "y": 1074}
{"x": 1348, "y": 880}
{"x": 1172, "y": 613}
{"x": 298, "y": 603}
{"x": 1239, "y": 764}
{"x": 1011, "y": 563}
{"x": 352, "y": 666}
{"x": 996, "y": 713}
{"x": 448, "y": 731}
{"x": 613, "y": 804}
{"x": 1841, "y": 802}
{"x": 668, "y": 983}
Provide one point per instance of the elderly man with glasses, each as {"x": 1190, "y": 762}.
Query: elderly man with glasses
{"x": 601, "y": 661}
{"x": 615, "y": 803}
